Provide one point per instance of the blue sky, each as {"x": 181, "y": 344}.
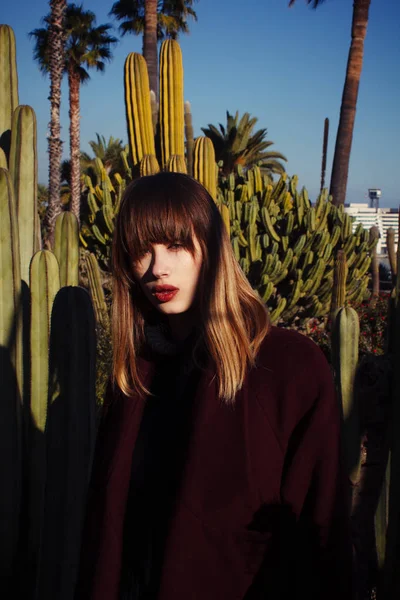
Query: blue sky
{"x": 284, "y": 66}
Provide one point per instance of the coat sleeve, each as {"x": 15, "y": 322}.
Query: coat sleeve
{"x": 316, "y": 492}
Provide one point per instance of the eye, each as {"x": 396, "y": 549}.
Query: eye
{"x": 175, "y": 246}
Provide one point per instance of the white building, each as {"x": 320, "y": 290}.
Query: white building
{"x": 382, "y": 217}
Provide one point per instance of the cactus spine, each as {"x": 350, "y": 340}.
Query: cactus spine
{"x": 138, "y": 107}
{"x": 171, "y": 101}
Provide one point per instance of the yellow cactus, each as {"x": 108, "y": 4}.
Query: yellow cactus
{"x": 177, "y": 164}
{"x": 171, "y": 101}
{"x": 138, "y": 107}
{"x": 204, "y": 164}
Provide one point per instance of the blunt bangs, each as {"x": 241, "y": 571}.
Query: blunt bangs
{"x": 163, "y": 209}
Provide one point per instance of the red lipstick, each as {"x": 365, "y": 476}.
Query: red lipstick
{"x": 164, "y": 293}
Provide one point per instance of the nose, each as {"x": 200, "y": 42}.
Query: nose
{"x": 160, "y": 264}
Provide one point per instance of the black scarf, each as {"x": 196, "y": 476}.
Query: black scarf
{"x": 158, "y": 462}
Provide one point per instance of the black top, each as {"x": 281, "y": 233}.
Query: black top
{"x": 157, "y": 465}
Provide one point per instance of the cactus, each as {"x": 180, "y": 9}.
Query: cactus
{"x": 204, "y": 166}
{"x": 339, "y": 284}
{"x": 176, "y": 164}
{"x": 12, "y": 376}
{"x": 276, "y": 220}
{"x": 66, "y": 247}
{"x": 44, "y": 283}
{"x": 391, "y": 252}
{"x": 138, "y": 108}
{"x": 345, "y": 341}
{"x": 374, "y": 235}
{"x": 70, "y": 434}
{"x": 149, "y": 165}
{"x": 9, "y": 84}
{"x": 23, "y": 171}
{"x": 189, "y": 138}
{"x": 171, "y": 101}
{"x": 96, "y": 289}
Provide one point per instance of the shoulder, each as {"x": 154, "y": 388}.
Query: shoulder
{"x": 290, "y": 374}
{"x": 290, "y": 354}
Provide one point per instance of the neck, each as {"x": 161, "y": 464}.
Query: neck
{"x": 181, "y": 326}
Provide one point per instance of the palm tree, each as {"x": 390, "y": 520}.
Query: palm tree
{"x": 109, "y": 153}
{"x": 150, "y": 42}
{"x": 238, "y": 145}
{"x": 86, "y": 46}
{"x": 155, "y": 20}
{"x": 56, "y": 67}
{"x": 344, "y": 137}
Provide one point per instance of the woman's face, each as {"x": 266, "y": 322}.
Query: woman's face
{"x": 169, "y": 275}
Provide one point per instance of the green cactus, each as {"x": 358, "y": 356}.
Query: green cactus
{"x": 9, "y": 84}
{"x": 96, "y": 289}
{"x": 66, "y": 248}
{"x": 23, "y": 171}
{"x": 345, "y": 341}
{"x": 70, "y": 433}
{"x": 11, "y": 342}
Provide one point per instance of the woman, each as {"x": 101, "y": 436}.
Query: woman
{"x": 217, "y": 473}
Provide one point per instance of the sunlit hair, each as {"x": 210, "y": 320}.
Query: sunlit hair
{"x": 168, "y": 208}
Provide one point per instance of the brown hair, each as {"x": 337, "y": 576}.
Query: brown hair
{"x": 173, "y": 207}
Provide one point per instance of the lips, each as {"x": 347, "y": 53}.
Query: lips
{"x": 164, "y": 293}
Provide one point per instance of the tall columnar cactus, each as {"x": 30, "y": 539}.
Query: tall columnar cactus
{"x": 390, "y": 234}
{"x": 66, "y": 247}
{"x": 374, "y": 235}
{"x": 339, "y": 283}
{"x": 23, "y": 171}
{"x": 204, "y": 165}
{"x": 138, "y": 108}
{"x": 11, "y": 378}
{"x": 149, "y": 165}
{"x": 392, "y": 555}
{"x": 345, "y": 341}
{"x": 171, "y": 101}
{"x": 70, "y": 433}
{"x": 44, "y": 283}
{"x": 96, "y": 289}
{"x": 189, "y": 137}
{"x": 9, "y": 85}
{"x": 176, "y": 164}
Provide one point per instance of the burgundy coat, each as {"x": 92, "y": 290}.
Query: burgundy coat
{"x": 262, "y": 511}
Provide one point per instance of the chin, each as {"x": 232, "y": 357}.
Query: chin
{"x": 169, "y": 308}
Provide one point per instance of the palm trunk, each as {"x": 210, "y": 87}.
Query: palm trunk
{"x": 74, "y": 141}
{"x": 344, "y": 136}
{"x": 150, "y": 42}
{"x": 324, "y": 151}
{"x": 56, "y": 42}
